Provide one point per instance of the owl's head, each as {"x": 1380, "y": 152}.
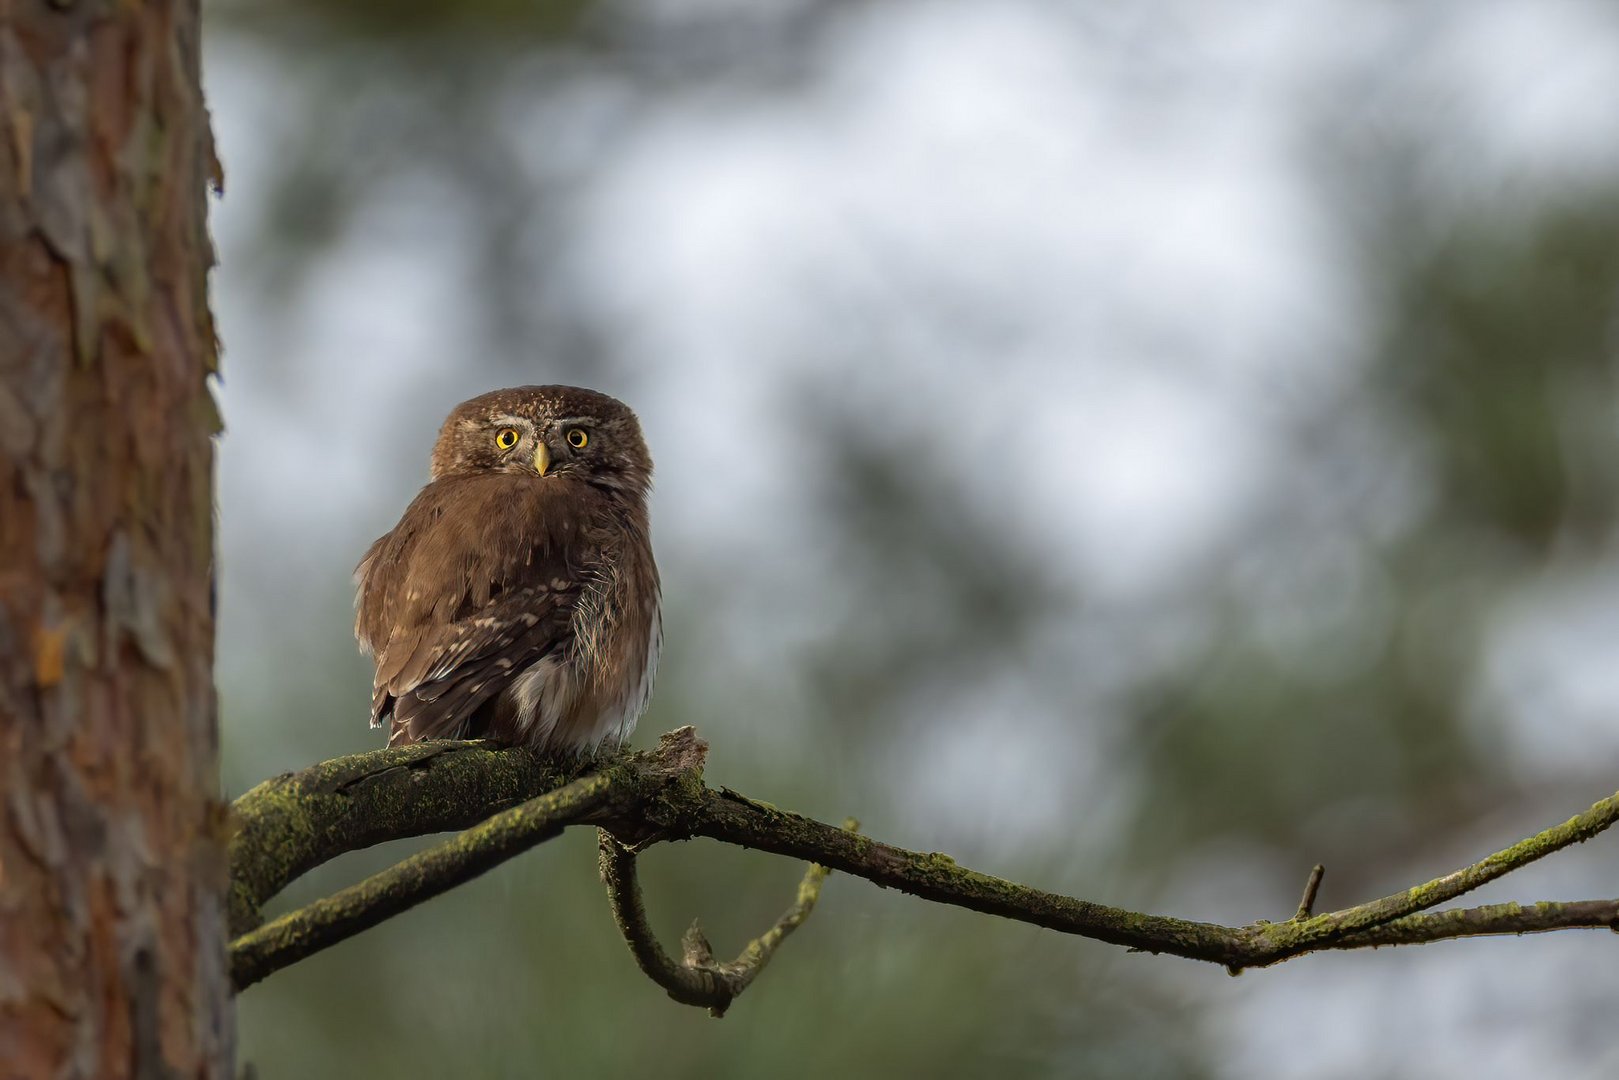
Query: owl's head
{"x": 546, "y": 432}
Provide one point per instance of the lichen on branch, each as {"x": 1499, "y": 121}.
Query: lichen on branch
{"x": 507, "y": 800}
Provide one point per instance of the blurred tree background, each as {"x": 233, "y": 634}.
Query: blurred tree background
{"x": 1141, "y": 450}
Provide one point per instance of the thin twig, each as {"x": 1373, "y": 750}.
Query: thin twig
{"x": 1279, "y": 941}
{"x": 1486, "y": 920}
{"x": 1311, "y": 887}
{"x": 697, "y": 979}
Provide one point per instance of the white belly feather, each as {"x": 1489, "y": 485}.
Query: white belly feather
{"x": 549, "y": 695}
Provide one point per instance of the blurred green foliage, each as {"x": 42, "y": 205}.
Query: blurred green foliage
{"x": 1327, "y": 704}
{"x": 409, "y": 25}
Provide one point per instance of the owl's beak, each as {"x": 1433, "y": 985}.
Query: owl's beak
{"x": 542, "y": 459}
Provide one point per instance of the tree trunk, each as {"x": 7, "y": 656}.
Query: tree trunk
{"x": 111, "y": 872}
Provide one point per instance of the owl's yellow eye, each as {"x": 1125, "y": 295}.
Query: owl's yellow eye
{"x": 577, "y": 438}
{"x": 506, "y": 438}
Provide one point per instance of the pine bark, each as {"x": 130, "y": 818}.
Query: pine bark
{"x": 111, "y": 829}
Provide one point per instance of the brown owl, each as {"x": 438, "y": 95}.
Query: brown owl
{"x": 517, "y": 598}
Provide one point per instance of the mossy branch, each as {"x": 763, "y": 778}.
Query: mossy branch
{"x": 294, "y": 936}
{"x": 514, "y": 800}
{"x": 292, "y": 823}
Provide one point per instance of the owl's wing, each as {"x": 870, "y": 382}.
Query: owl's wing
{"x": 431, "y": 685}
{"x": 472, "y": 587}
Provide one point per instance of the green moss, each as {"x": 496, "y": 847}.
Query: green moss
{"x": 508, "y": 800}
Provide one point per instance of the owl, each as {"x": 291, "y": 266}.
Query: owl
{"x": 517, "y": 599}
